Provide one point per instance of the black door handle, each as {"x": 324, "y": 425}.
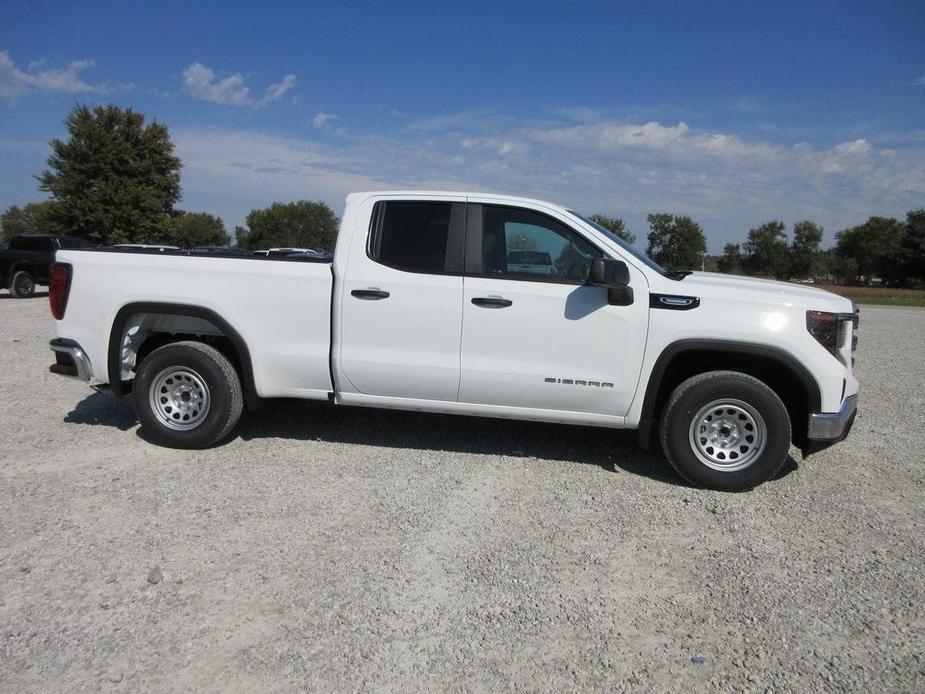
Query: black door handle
{"x": 371, "y": 294}
{"x": 491, "y": 302}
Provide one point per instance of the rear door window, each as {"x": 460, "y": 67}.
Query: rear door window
{"x": 412, "y": 236}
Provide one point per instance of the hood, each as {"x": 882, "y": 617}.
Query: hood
{"x": 717, "y": 285}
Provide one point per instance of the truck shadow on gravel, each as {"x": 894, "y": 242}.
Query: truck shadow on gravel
{"x": 307, "y": 421}
{"x": 301, "y": 420}
{"x": 100, "y": 409}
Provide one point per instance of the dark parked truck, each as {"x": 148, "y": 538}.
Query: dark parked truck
{"x": 26, "y": 262}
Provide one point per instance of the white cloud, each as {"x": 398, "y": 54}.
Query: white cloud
{"x": 200, "y": 82}
{"x": 275, "y": 91}
{"x": 328, "y": 122}
{"x": 921, "y": 80}
{"x": 323, "y": 120}
{"x": 498, "y": 145}
{"x": 728, "y": 183}
{"x": 15, "y": 83}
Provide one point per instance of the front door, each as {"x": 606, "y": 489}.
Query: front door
{"x": 534, "y": 334}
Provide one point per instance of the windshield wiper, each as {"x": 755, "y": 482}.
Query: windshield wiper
{"x": 678, "y": 274}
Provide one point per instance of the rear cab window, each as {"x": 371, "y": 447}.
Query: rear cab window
{"x": 31, "y": 243}
{"x": 418, "y": 236}
{"x": 71, "y": 242}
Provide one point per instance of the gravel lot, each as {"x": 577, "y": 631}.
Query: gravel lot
{"x": 336, "y": 549}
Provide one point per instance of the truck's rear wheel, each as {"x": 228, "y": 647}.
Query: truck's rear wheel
{"x": 22, "y": 285}
{"x": 187, "y": 395}
{"x": 725, "y": 430}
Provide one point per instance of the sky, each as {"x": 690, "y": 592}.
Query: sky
{"x": 734, "y": 113}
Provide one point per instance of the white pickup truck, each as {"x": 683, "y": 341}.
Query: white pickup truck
{"x": 423, "y": 309}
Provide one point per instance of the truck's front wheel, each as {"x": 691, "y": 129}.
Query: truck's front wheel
{"x": 187, "y": 395}
{"x": 725, "y": 430}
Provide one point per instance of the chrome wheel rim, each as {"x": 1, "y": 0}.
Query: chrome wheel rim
{"x": 728, "y": 435}
{"x": 179, "y": 398}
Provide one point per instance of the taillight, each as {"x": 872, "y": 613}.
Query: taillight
{"x": 59, "y": 286}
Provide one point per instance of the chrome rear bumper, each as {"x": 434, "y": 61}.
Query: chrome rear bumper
{"x": 70, "y": 360}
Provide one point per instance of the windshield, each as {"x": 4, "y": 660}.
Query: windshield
{"x": 639, "y": 255}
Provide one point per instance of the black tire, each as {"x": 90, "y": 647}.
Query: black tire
{"x": 752, "y": 404}
{"x": 218, "y": 378}
{"x": 22, "y": 285}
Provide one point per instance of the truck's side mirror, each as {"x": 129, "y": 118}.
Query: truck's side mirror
{"x": 607, "y": 272}
{"x": 615, "y": 276}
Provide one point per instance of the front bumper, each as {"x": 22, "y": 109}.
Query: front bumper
{"x": 825, "y": 429}
{"x": 70, "y": 360}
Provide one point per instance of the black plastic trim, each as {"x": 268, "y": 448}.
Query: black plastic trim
{"x": 473, "y": 262}
{"x": 647, "y": 417}
{"x": 64, "y": 369}
{"x": 118, "y": 326}
{"x": 456, "y": 240}
{"x": 673, "y": 302}
{"x": 331, "y": 395}
{"x": 491, "y": 302}
{"x": 64, "y": 363}
{"x": 370, "y": 294}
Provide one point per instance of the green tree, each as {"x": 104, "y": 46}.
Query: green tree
{"x": 874, "y": 247}
{"x": 188, "y": 229}
{"x": 115, "y": 179}
{"x": 806, "y": 250}
{"x": 765, "y": 251}
{"x": 34, "y": 218}
{"x": 615, "y": 225}
{"x": 731, "y": 260}
{"x": 843, "y": 270}
{"x": 913, "y": 245}
{"x": 677, "y": 243}
{"x": 302, "y": 224}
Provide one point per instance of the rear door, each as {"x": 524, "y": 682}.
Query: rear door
{"x": 401, "y": 315}
{"x": 535, "y": 335}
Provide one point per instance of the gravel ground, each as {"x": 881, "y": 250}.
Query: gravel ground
{"x": 336, "y": 549}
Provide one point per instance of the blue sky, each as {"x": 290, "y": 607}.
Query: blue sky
{"x": 732, "y": 112}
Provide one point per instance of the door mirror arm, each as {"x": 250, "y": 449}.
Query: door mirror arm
{"x": 620, "y": 296}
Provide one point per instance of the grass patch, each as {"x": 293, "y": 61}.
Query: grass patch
{"x": 884, "y": 296}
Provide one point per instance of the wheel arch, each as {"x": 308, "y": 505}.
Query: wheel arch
{"x": 777, "y": 368}
{"x": 24, "y": 266}
{"x": 239, "y": 351}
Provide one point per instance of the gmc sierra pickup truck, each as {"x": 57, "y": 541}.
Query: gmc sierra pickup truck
{"x": 470, "y": 304}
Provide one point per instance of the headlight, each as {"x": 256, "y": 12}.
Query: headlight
{"x": 829, "y": 329}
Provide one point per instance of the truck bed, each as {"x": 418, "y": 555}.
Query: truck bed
{"x": 280, "y": 307}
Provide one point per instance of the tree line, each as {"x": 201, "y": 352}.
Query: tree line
{"x": 881, "y": 249}
{"x": 116, "y": 179}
